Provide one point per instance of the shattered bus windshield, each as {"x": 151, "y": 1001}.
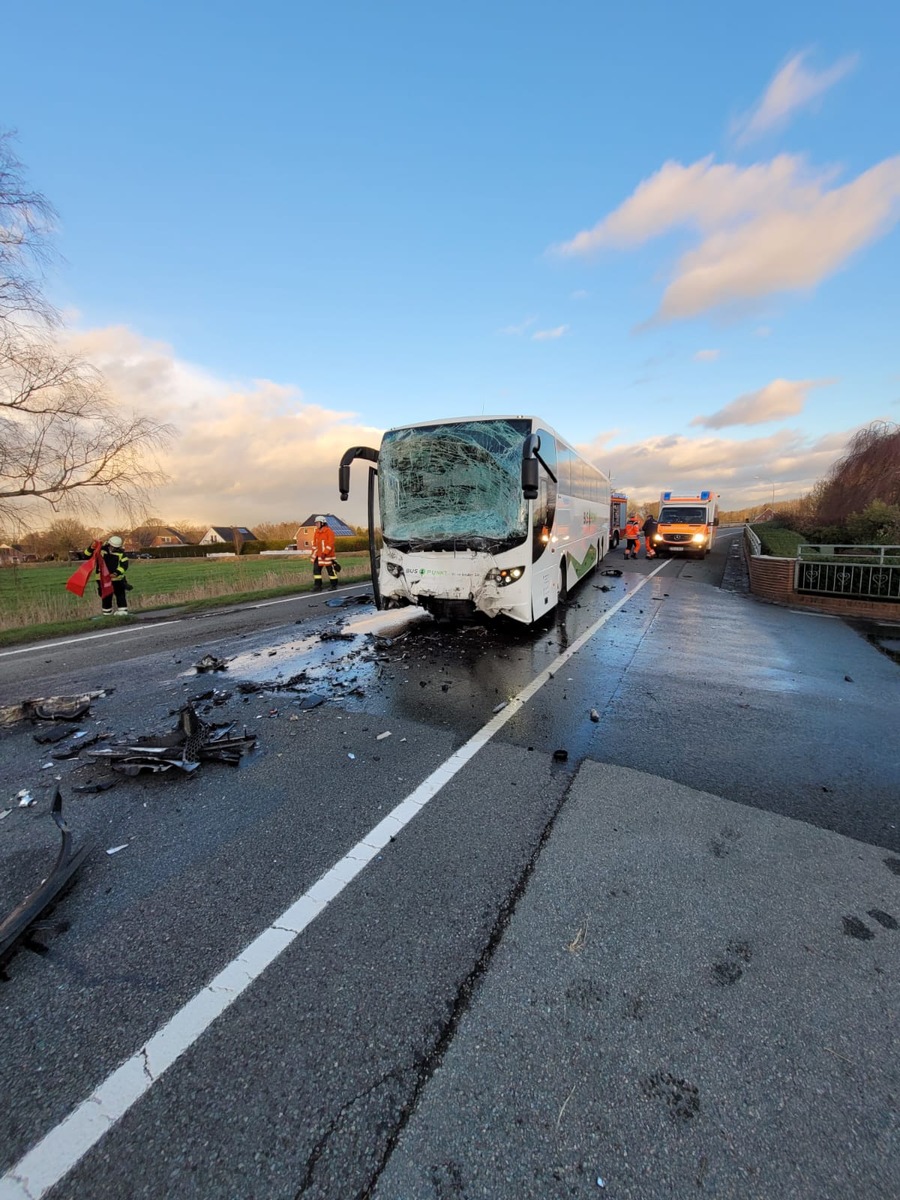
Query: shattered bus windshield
{"x": 683, "y": 514}
{"x": 454, "y": 486}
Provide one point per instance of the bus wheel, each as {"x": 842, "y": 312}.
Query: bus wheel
{"x": 614, "y": 540}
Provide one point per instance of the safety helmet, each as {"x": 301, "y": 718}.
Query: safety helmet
{"x": 320, "y": 521}
{"x": 115, "y": 541}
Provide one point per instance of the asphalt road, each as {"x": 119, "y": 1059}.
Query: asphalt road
{"x": 322, "y": 1076}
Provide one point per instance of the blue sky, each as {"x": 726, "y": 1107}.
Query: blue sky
{"x": 669, "y": 229}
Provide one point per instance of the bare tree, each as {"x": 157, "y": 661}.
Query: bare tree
{"x": 64, "y": 535}
{"x": 869, "y": 471}
{"x": 237, "y": 538}
{"x": 26, "y": 223}
{"x": 271, "y": 531}
{"x": 63, "y": 440}
{"x": 191, "y": 532}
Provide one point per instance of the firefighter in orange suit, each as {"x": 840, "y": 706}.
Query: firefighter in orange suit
{"x": 323, "y": 555}
{"x": 632, "y": 536}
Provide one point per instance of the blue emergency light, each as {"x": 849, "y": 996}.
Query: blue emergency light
{"x": 705, "y": 495}
{"x": 667, "y": 495}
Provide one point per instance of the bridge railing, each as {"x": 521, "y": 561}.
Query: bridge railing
{"x": 857, "y": 572}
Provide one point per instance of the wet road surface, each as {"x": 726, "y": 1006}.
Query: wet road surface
{"x": 303, "y": 1085}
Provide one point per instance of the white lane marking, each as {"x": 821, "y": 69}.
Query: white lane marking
{"x": 89, "y": 637}
{"x": 42, "y": 1167}
{"x": 302, "y": 595}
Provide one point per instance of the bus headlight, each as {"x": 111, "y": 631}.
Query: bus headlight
{"x": 699, "y": 537}
{"x": 504, "y": 576}
{"x": 394, "y": 569}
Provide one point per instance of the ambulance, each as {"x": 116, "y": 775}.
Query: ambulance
{"x": 686, "y": 524}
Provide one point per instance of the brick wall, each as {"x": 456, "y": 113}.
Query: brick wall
{"x": 773, "y": 579}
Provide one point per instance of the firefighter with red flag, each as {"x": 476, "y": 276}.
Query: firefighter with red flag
{"x": 109, "y": 562}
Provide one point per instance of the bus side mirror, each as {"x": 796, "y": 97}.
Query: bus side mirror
{"x": 344, "y": 480}
{"x": 716, "y": 521}
{"x": 530, "y": 478}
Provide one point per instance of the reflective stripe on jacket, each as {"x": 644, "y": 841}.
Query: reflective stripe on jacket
{"x": 633, "y": 529}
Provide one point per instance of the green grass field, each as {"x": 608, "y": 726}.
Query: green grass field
{"x": 34, "y": 602}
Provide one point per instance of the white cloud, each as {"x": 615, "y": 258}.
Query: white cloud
{"x": 788, "y": 457}
{"x": 779, "y": 399}
{"x": 244, "y": 452}
{"x": 518, "y": 330}
{"x": 770, "y": 227}
{"x": 794, "y": 87}
{"x": 707, "y": 355}
{"x": 549, "y": 335}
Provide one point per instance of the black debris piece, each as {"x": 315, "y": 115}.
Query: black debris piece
{"x": 102, "y": 785}
{"x": 24, "y": 922}
{"x": 248, "y": 687}
{"x": 560, "y": 756}
{"x": 602, "y": 587}
{"x": 313, "y": 700}
{"x": 73, "y": 749}
{"x": 335, "y": 635}
{"x": 614, "y": 571}
{"x": 51, "y": 733}
{"x": 190, "y": 743}
{"x": 209, "y": 662}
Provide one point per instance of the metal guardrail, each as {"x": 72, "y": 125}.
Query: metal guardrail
{"x": 754, "y": 545}
{"x": 867, "y": 555}
{"x": 857, "y": 580}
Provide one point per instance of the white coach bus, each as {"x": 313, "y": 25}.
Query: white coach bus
{"x": 498, "y": 515}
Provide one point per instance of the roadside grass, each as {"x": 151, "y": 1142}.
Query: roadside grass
{"x": 777, "y": 540}
{"x": 34, "y": 604}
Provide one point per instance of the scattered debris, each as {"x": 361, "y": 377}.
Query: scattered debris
{"x": 209, "y": 662}
{"x": 102, "y": 785}
{"x": 595, "y": 716}
{"x": 24, "y": 922}
{"x": 613, "y": 571}
{"x": 602, "y": 587}
{"x": 560, "y": 756}
{"x": 381, "y": 736}
{"x": 74, "y": 748}
{"x": 5, "y": 813}
{"x": 25, "y": 798}
{"x": 51, "y": 708}
{"x": 51, "y": 733}
{"x": 313, "y": 700}
{"x": 847, "y": 679}
{"x": 116, "y": 849}
{"x": 351, "y": 756}
{"x": 500, "y": 707}
{"x": 191, "y": 742}
{"x": 335, "y": 635}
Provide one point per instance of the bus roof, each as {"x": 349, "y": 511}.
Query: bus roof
{"x": 469, "y": 420}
